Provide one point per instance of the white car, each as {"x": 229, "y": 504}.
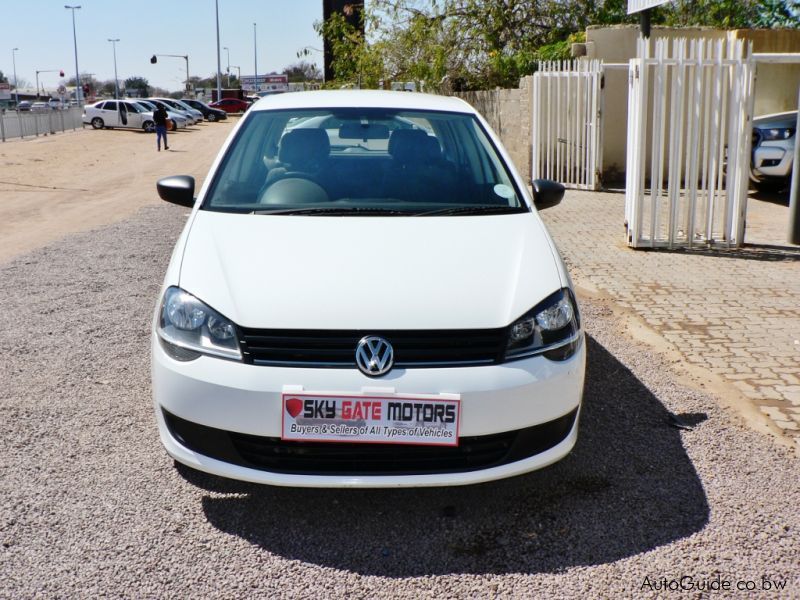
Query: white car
{"x": 773, "y": 150}
{"x": 385, "y": 310}
{"x": 118, "y": 113}
{"x": 175, "y": 107}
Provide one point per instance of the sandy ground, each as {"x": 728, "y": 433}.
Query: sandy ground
{"x": 54, "y": 185}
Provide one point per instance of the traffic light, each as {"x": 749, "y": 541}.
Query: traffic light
{"x": 153, "y": 59}
{"x": 61, "y": 73}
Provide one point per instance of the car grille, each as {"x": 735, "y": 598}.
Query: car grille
{"x": 316, "y": 348}
{"x": 308, "y": 458}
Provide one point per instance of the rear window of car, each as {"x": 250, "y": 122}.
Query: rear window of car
{"x": 405, "y": 161}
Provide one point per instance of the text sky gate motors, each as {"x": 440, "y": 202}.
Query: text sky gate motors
{"x": 422, "y": 420}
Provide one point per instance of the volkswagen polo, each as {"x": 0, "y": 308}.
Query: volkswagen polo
{"x": 364, "y": 295}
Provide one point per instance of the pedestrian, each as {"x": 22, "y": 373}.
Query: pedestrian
{"x": 160, "y": 117}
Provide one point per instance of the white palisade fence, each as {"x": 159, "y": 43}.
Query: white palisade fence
{"x": 567, "y": 123}
{"x": 687, "y": 173}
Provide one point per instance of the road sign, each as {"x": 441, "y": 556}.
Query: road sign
{"x": 635, "y": 6}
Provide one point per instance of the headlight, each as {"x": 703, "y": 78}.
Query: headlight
{"x": 187, "y": 328}
{"x": 776, "y": 133}
{"x": 551, "y": 328}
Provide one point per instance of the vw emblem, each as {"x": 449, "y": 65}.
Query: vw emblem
{"x": 374, "y": 356}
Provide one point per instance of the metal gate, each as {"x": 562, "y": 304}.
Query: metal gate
{"x": 567, "y": 123}
{"x": 690, "y": 109}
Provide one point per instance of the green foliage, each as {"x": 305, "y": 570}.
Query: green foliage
{"x": 303, "y": 71}
{"x": 726, "y": 14}
{"x": 138, "y": 83}
{"x": 3, "y": 78}
{"x": 779, "y": 13}
{"x": 480, "y": 44}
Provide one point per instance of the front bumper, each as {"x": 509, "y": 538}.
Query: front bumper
{"x": 534, "y": 400}
{"x": 771, "y": 162}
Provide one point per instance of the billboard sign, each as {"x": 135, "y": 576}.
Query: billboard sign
{"x": 5, "y": 91}
{"x": 635, "y": 6}
{"x": 265, "y": 83}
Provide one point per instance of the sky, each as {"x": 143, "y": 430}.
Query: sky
{"x": 42, "y": 30}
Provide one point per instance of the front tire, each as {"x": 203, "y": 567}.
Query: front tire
{"x": 771, "y": 185}
{"x": 149, "y": 126}
{"x": 97, "y": 123}
{"x": 211, "y": 117}
{"x": 174, "y": 126}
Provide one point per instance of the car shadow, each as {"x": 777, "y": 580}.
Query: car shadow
{"x": 627, "y": 487}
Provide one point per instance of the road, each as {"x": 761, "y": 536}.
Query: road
{"x": 90, "y": 504}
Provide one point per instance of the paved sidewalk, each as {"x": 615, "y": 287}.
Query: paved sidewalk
{"x": 732, "y": 313}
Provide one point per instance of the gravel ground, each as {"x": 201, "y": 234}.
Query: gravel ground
{"x": 90, "y": 504}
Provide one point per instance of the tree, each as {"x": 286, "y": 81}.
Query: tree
{"x": 3, "y": 78}
{"x": 139, "y": 84}
{"x": 779, "y": 13}
{"x": 303, "y": 71}
{"x": 480, "y": 44}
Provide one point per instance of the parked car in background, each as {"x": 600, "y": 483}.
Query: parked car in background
{"x": 179, "y": 120}
{"x": 118, "y": 113}
{"x": 231, "y": 105}
{"x": 40, "y": 107}
{"x": 192, "y": 116}
{"x": 210, "y": 114}
{"x": 433, "y": 337}
{"x": 183, "y": 105}
{"x": 24, "y": 105}
{"x": 773, "y": 150}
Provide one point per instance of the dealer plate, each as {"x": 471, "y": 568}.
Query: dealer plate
{"x": 397, "y": 419}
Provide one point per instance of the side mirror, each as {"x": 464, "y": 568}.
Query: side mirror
{"x": 178, "y": 189}
{"x": 546, "y": 193}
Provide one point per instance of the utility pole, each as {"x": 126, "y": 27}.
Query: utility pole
{"x": 78, "y": 88}
{"x": 228, "y": 71}
{"x": 16, "y": 87}
{"x": 219, "y": 75}
{"x": 116, "y": 79}
{"x": 255, "y": 56}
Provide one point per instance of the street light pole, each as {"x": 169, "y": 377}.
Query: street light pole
{"x": 219, "y": 68}
{"x": 116, "y": 80}
{"x": 78, "y": 89}
{"x": 37, "y": 79}
{"x": 238, "y": 74}
{"x": 228, "y": 51}
{"x": 154, "y": 60}
{"x": 16, "y": 87}
{"x": 255, "y": 57}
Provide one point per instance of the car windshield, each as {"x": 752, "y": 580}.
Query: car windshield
{"x": 182, "y": 104}
{"x": 363, "y": 162}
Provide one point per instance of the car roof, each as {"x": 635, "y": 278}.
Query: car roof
{"x": 363, "y": 99}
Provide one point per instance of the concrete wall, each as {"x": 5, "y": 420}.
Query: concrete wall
{"x": 509, "y": 114}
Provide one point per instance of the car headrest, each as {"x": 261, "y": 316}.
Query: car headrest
{"x": 413, "y": 145}
{"x": 304, "y": 146}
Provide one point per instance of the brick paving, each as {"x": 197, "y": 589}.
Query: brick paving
{"x": 734, "y": 313}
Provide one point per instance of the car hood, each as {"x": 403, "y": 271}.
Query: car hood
{"x": 302, "y": 272}
{"x": 786, "y": 119}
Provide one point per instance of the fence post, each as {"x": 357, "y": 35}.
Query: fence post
{"x": 3, "y": 125}
{"x": 794, "y": 201}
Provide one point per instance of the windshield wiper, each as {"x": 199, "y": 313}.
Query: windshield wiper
{"x": 335, "y": 211}
{"x": 479, "y": 209}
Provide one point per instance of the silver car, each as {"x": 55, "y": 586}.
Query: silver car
{"x": 773, "y": 150}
